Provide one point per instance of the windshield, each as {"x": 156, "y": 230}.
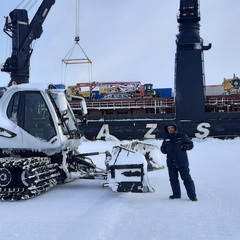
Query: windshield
{"x": 69, "y": 123}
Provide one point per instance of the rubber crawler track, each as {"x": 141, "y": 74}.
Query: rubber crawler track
{"x": 42, "y": 176}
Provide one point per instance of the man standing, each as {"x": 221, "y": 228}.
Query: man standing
{"x": 175, "y": 145}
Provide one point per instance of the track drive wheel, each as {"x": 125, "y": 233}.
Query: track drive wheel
{"x": 7, "y": 177}
{"x": 23, "y": 178}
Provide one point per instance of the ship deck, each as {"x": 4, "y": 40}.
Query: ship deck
{"x": 224, "y": 103}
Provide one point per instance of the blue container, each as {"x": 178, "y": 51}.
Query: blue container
{"x": 163, "y": 92}
{"x": 96, "y": 95}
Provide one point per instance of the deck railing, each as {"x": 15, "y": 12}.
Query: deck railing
{"x": 145, "y": 104}
{"x": 211, "y": 104}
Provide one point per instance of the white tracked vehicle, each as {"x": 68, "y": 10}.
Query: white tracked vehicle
{"x": 39, "y": 140}
{"x": 39, "y": 134}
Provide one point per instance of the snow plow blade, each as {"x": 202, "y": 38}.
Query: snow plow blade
{"x": 127, "y": 171}
{"x": 150, "y": 151}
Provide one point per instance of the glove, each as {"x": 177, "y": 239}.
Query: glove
{"x": 164, "y": 150}
{"x": 184, "y": 147}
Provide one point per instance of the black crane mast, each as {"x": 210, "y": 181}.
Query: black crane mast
{"x": 23, "y": 34}
{"x": 189, "y": 64}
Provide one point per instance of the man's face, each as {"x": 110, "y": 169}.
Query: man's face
{"x": 171, "y": 129}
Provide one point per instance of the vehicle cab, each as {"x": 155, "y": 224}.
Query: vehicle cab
{"x": 37, "y": 118}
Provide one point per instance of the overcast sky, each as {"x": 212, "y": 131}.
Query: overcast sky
{"x": 126, "y": 40}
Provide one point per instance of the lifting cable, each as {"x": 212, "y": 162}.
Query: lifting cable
{"x": 85, "y": 60}
{"x": 26, "y": 6}
{"x": 20, "y": 4}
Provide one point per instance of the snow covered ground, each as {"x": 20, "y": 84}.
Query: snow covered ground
{"x": 83, "y": 210}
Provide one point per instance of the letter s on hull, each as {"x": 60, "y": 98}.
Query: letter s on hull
{"x": 203, "y": 128}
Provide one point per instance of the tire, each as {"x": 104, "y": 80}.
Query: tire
{"x": 7, "y": 177}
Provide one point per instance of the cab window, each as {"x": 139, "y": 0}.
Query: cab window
{"x": 30, "y": 112}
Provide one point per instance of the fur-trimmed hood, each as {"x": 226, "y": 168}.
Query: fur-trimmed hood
{"x": 170, "y": 124}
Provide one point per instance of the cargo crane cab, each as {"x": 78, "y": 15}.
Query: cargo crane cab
{"x": 148, "y": 89}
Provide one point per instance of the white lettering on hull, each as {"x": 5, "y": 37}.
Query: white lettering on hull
{"x": 152, "y": 127}
{"x": 202, "y": 129}
{"x": 104, "y": 131}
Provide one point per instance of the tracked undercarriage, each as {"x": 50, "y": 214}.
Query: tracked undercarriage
{"x": 24, "y": 178}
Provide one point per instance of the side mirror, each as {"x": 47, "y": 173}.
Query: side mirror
{"x": 83, "y": 106}
{"x": 62, "y": 102}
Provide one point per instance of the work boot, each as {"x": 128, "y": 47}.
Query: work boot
{"x": 174, "y": 196}
{"x": 194, "y": 199}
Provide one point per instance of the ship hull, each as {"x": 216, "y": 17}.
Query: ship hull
{"x": 220, "y": 125}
